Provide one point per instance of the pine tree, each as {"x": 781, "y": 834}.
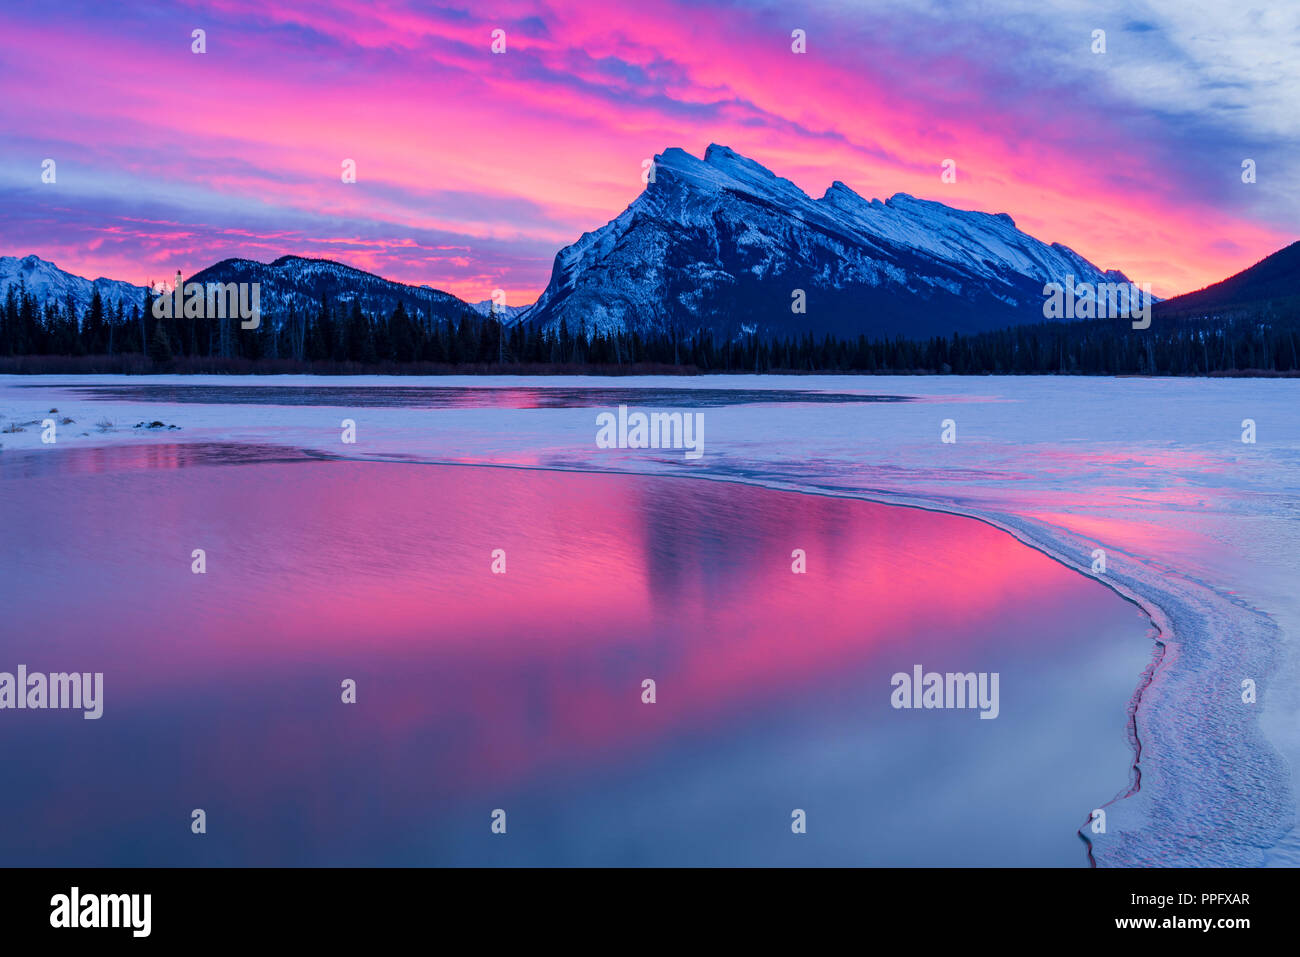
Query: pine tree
{"x": 401, "y": 333}
{"x": 160, "y": 348}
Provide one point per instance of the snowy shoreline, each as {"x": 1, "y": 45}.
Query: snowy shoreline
{"x": 1199, "y": 530}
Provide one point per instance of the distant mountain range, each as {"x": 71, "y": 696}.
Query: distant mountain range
{"x": 507, "y": 314}
{"x": 725, "y": 245}
{"x": 290, "y": 282}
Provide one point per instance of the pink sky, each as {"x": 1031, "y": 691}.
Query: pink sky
{"x": 474, "y": 168}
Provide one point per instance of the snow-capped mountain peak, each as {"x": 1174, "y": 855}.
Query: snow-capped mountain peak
{"x": 726, "y": 244}
{"x": 47, "y": 282}
{"x": 505, "y": 314}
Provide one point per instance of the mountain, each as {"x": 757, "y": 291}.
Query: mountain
{"x": 288, "y": 281}
{"x": 46, "y": 281}
{"x": 722, "y": 243}
{"x": 508, "y": 313}
{"x": 1274, "y": 279}
{"x": 294, "y": 282}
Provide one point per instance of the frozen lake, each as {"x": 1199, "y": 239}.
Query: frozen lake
{"x": 523, "y": 691}
{"x": 1196, "y": 526}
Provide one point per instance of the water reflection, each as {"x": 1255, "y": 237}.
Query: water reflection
{"x": 522, "y": 691}
{"x": 459, "y": 397}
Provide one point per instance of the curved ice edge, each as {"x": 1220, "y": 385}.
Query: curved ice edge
{"x": 1216, "y": 793}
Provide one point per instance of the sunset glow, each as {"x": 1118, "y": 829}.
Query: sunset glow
{"x": 475, "y": 168}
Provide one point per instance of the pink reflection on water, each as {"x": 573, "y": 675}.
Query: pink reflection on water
{"x": 338, "y": 568}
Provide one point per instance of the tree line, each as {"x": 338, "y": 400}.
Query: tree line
{"x": 341, "y": 336}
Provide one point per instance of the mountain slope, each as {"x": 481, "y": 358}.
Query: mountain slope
{"x": 290, "y": 281}
{"x": 722, "y": 243}
{"x": 294, "y": 282}
{"x": 47, "y": 282}
{"x": 1275, "y": 277}
{"x": 508, "y": 314}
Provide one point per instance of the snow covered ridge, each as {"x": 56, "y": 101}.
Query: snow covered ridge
{"x": 1104, "y": 300}
{"x": 289, "y": 284}
{"x": 47, "y": 282}
{"x": 507, "y": 314}
{"x": 724, "y": 244}
{"x": 294, "y": 284}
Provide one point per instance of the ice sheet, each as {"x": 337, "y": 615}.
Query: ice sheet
{"x": 1198, "y": 527}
